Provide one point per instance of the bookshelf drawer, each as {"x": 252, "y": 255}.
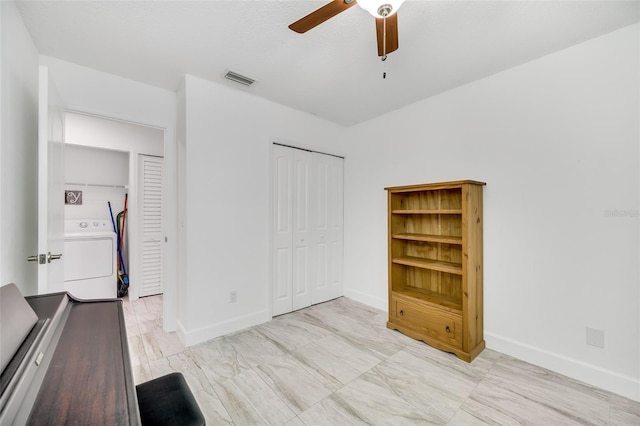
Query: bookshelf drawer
{"x": 429, "y": 321}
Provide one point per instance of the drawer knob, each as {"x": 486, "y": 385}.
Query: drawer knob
{"x": 401, "y": 312}
{"x": 447, "y": 329}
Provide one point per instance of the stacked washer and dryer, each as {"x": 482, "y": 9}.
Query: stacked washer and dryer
{"x": 90, "y": 259}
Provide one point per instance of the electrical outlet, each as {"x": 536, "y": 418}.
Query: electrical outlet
{"x": 233, "y": 296}
{"x": 595, "y": 337}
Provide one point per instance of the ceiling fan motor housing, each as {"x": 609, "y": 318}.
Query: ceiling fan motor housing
{"x": 385, "y": 10}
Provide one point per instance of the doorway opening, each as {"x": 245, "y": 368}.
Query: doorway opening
{"x": 112, "y": 161}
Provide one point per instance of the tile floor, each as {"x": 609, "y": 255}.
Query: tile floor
{"x": 337, "y": 364}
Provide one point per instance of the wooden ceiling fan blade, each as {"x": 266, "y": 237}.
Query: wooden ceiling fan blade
{"x": 317, "y": 17}
{"x": 392, "y": 34}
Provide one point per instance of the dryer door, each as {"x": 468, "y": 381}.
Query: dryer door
{"x": 88, "y": 258}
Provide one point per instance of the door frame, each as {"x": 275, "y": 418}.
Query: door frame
{"x": 169, "y": 209}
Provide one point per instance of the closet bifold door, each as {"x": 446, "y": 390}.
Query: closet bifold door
{"x": 282, "y": 230}
{"x": 307, "y": 228}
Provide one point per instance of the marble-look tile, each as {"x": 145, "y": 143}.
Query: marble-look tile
{"x": 137, "y": 351}
{"x": 494, "y": 404}
{"x": 348, "y": 316}
{"x": 305, "y": 316}
{"x": 298, "y": 385}
{"x": 462, "y": 418}
{"x": 423, "y": 384}
{"x": 337, "y": 357}
{"x": 143, "y": 312}
{"x": 336, "y": 363}
{"x": 149, "y": 325}
{"x": 158, "y": 344}
{"x": 340, "y": 317}
{"x": 372, "y": 327}
{"x": 294, "y": 422}
{"x": 129, "y": 315}
{"x": 369, "y": 399}
{"x": 331, "y": 411}
{"x": 292, "y": 333}
{"x": 249, "y": 401}
{"x": 214, "y": 412}
{"x": 184, "y": 363}
{"x": 218, "y": 360}
{"x": 350, "y": 308}
{"x": 624, "y": 411}
{"x": 475, "y": 370}
{"x": 141, "y": 373}
{"x": 254, "y": 347}
{"x": 127, "y": 308}
{"x": 379, "y": 345}
{"x": 132, "y": 327}
{"x": 572, "y": 399}
{"x": 150, "y": 304}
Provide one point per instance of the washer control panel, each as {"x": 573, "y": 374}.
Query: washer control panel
{"x": 87, "y": 225}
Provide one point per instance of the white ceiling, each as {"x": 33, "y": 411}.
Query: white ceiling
{"x": 332, "y": 71}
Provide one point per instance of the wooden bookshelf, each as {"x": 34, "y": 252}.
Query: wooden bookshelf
{"x": 435, "y": 265}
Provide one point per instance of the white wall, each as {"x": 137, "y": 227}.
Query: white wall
{"x": 557, "y": 141}
{"x": 181, "y": 169}
{"x": 97, "y": 132}
{"x": 101, "y": 174}
{"x": 18, "y": 153}
{"x": 228, "y": 137}
{"x": 88, "y": 91}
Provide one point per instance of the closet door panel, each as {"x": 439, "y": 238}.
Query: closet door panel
{"x": 328, "y": 188}
{"x": 321, "y": 291}
{"x": 283, "y": 230}
{"x": 335, "y": 224}
{"x": 303, "y": 255}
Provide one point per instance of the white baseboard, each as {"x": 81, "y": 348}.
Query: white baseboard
{"x": 367, "y": 299}
{"x": 576, "y": 369}
{"x": 202, "y": 334}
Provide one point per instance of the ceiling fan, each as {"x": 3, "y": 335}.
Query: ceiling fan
{"x": 383, "y": 10}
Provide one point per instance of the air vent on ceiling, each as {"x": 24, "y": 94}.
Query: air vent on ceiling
{"x": 239, "y": 78}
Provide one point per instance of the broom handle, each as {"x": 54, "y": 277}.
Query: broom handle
{"x": 124, "y": 218}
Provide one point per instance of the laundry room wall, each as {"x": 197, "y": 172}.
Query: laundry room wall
{"x": 100, "y": 175}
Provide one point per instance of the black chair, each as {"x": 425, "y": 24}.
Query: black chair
{"x": 168, "y": 400}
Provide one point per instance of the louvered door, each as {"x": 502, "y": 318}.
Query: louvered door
{"x": 150, "y": 225}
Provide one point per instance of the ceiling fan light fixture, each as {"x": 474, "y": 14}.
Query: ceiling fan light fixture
{"x": 380, "y": 8}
